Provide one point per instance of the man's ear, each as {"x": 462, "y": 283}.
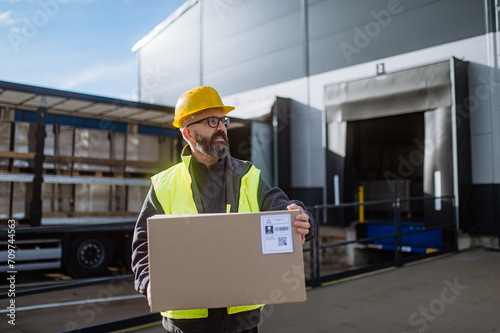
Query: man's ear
{"x": 186, "y": 134}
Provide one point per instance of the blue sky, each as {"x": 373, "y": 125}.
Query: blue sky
{"x": 77, "y": 45}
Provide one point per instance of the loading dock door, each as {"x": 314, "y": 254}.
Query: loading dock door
{"x": 419, "y": 118}
{"x": 385, "y": 158}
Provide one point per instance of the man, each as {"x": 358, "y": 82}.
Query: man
{"x": 208, "y": 180}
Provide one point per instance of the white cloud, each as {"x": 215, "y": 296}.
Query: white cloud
{"x": 5, "y": 17}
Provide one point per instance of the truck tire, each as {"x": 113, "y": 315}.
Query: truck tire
{"x": 89, "y": 255}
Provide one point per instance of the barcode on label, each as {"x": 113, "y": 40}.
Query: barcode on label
{"x": 281, "y": 241}
{"x": 281, "y": 228}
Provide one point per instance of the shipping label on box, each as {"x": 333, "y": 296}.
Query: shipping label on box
{"x": 276, "y": 233}
{"x": 220, "y": 260}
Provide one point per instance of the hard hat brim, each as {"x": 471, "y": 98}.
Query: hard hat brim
{"x": 225, "y": 110}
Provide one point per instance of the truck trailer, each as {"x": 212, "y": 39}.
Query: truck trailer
{"x": 74, "y": 171}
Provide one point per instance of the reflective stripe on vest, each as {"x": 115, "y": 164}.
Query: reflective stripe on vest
{"x": 173, "y": 190}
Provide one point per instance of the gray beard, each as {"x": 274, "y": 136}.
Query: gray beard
{"x": 208, "y": 146}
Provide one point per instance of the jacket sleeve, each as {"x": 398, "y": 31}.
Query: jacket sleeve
{"x": 140, "y": 263}
{"x": 273, "y": 198}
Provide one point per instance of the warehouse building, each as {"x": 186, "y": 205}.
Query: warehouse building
{"x": 397, "y": 97}
{"x": 382, "y": 116}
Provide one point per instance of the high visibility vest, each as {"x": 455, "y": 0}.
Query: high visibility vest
{"x": 173, "y": 190}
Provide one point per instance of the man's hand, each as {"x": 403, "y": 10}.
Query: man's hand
{"x": 301, "y": 221}
{"x": 148, "y": 293}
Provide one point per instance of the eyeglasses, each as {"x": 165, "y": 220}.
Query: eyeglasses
{"x": 213, "y": 122}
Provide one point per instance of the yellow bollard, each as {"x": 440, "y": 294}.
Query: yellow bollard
{"x": 361, "y": 196}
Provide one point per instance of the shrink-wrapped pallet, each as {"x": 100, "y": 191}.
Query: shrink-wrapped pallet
{"x": 19, "y": 201}
{"x": 56, "y": 198}
{"x": 91, "y": 144}
{"x": 21, "y": 142}
{"x": 48, "y": 198}
{"x": 99, "y": 198}
{"x": 120, "y": 141}
{"x": 132, "y": 147}
{"x": 4, "y": 199}
{"x": 149, "y": 148}
{"x": 136, "y": 196}
{"x": 65, "y": 147}
{"x": 64, "y": 197}
{"x": 144, "y": 148}
{"x": 168, "y": 151}
{"x": 82, "y": 198}
{"x": 4, "y": 140}
{"x": 81, "y": 148}
{"x": 49, "y": 143}
{"x": 119, "y": 198}
{"x": 99, "y": 145}
{"x": 92, "y": 198}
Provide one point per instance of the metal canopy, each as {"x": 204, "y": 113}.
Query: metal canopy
{"x": 26, "y": 97}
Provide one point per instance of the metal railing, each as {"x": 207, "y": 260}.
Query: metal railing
{"x": 316, "y": 278}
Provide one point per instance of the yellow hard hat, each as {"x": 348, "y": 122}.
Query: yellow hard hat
{"x": 196, "y": 100}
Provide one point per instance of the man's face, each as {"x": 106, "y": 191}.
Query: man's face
{"x": 209, "y": 141}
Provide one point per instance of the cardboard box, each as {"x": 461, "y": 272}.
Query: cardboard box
{"x": 221, "y": 260}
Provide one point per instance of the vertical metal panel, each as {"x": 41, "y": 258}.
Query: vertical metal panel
{"x": 307, "y": 145}
{"x": 438, "y": 156}
{"x": 345, "y": 33}
{"x": 263, "y": 45}
{"x": 258, "y": 43}
{"x": 282, "y": 145}
{"x": 486, "y": 212}
{"x": 170, "y": 63}
{"x": 482, "y": 158}
{"x": 35, "y": 210}
{"x": 462, "y": 144}
{"x": 261, "y": 149}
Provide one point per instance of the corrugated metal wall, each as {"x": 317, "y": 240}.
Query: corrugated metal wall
{"x": 241, "y": 45}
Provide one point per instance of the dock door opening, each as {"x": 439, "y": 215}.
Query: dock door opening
{"x": 386, "y": 158}
{"x": 400, "y": 135}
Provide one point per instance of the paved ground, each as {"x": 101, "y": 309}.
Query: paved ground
{"x": 455, "y": 293}
{"x": 91, "y": 308}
